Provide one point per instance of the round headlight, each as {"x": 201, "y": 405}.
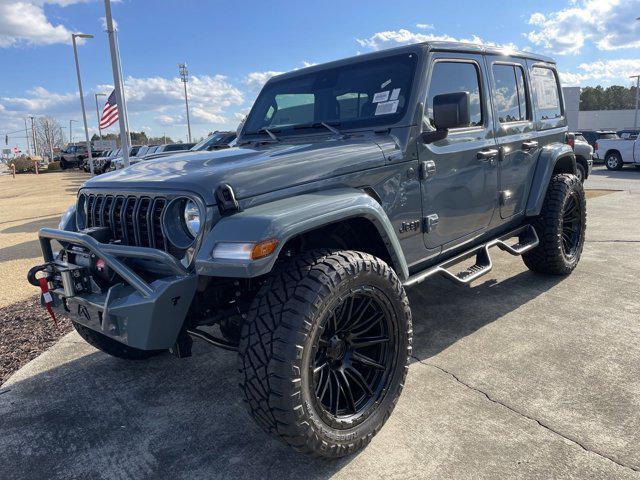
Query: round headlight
{"x": 192, "y": 217}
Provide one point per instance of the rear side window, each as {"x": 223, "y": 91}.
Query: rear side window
{"x": 509, "y": 93}
{"x": 546, "y": 91}
{"x": 607, "y": 136}
{"x": 453, "y": 77}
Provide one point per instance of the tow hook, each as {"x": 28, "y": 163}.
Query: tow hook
{"x": 31, "y": 275}
{"x": 43, "y": 283}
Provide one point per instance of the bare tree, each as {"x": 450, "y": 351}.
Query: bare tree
{"x": 48, "y": 135}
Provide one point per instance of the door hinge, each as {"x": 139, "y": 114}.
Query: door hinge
{"x": 427, "y": 169}
{"x": 429, "y": 223}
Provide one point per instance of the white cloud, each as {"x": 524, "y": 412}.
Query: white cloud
{"x": 255, "y": 80}
{"x": 394, "y": 38}
{"x": 424, "y": 26}
{"x": 39, "y": 100}
{"x": 209, "y": 97}
{"x": 607, "y": 24}
{"x": 603, "y": 72}
{"x": 25, "y": 22}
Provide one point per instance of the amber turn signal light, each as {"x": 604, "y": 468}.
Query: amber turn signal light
{"x": 263, "y": 249}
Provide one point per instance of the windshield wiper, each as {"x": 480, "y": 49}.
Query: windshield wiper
{"x": 331, "y": 128}
{"x": 258, "y": 132}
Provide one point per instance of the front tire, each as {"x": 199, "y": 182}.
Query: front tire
{"x": 324, "y": 351}
{"x": 613, "y": 161}
{"x": 112, "y": 347}
{"x": 560, "y": 226}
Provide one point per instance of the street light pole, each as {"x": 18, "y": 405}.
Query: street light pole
{"x": 96, "y": 95}
{"x": 71, "y": 131}
{"x": 635, "y": 117}
{"x": 26, "y": 136}
{"x": 33, "y": 136}
{"x": 124, "y": 141}
{"x": 184, "y": 77}
{"x": 84, "y": 113}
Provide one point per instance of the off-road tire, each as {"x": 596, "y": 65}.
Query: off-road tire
{"x": 549, "y": 256}
{"x": 63, "y": 164}
{"x": 613, "y": 161}
{"x": 111, "y": 347}
{"x": 276, "y": 348}
{"x": 581, "y": 172}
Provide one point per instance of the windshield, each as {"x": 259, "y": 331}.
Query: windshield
{"x": 207, "y": 142}
{"x": 142, "y": 151}
{"x": 361, "y": 94}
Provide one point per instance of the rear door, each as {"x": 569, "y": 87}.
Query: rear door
{"x": 459, "y": 191}
{"x": 514, "y": 130}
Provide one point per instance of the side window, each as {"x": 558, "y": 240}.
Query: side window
{"x": 509, "y": 93}
{"x": 452, "y": 77}
{"x": 546, "y": 91}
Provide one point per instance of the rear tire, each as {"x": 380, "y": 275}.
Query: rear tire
{"x": 112, "y": 347}
{"x": 581, "y": 172}
{"x": 613, "y": 161}
{"x": 560, "y": 226}
{"x": 301, "y": 356}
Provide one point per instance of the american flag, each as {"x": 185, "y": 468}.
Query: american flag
{"x": 109, "y": 112}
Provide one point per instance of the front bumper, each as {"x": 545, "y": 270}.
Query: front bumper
{"x": 145, "y": 314}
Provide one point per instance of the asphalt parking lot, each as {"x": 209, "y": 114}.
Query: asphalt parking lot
{"x": 519, "y": 376}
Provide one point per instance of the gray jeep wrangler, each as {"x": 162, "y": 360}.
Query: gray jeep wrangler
{"x": 350, "y": 182}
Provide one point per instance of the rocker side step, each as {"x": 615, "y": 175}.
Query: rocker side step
{"x": 527, "y": 239}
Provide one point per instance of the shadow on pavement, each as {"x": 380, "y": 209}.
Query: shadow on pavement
{"x": 21, "y": 251}
{"x": 100, "y": 417}
{"x": 51, "y": 221}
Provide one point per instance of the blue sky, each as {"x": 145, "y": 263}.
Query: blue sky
{"x": 233, "y": 47}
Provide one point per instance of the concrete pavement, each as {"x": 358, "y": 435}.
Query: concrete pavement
{"x": 520, "y": 376}
{"x": 29, "y": 202}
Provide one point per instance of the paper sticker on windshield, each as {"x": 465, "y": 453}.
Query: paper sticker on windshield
{"x": 381, "y": 97}
{"x": 385, "y": 108}
{"x": 395, "y": 93}
{"x": 385, "y": 83}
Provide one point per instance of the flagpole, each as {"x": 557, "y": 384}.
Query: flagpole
{"x": 124, "y": 141}
{"x": 124, "y": 94}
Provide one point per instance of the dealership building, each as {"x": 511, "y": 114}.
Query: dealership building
{"x": 595, "y": 119}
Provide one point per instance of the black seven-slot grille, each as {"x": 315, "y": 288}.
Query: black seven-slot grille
{"x": 132, "y": 220}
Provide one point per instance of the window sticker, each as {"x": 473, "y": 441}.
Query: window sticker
{"x": 395, "y": 93}
{"x": 385, "y": 84}
{"x": 386, "y": 108}
{"x": 381, "y": 97}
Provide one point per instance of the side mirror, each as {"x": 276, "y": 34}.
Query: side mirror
{"x": 451, "y": 110}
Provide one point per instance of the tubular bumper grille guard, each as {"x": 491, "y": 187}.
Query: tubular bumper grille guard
{"x": 110, "y": 253}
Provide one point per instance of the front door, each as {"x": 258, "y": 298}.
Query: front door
{"x": 460, "y": 189}
{"x": 515, "y": 132}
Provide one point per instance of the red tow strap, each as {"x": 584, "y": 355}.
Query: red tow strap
{"x": 48, "y": 299}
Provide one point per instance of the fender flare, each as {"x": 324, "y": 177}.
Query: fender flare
{"x": 557, "y": 155}
{"x": 286, "y": 218}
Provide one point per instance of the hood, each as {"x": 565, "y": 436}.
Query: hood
{"x": 249, "y": 170}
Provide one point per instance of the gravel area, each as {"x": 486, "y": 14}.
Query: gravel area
{"x": 26, "y": 330}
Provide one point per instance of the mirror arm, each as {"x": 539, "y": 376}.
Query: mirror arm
{"x": 434, "y": 135}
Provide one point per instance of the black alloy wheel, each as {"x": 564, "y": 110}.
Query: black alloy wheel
{"x": 353, "y": 357}
{"x": 571, "y": 225}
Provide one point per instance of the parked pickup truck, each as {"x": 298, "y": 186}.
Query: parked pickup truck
{"x": 349, "y": 183}
{"x": 618, "y": 152}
